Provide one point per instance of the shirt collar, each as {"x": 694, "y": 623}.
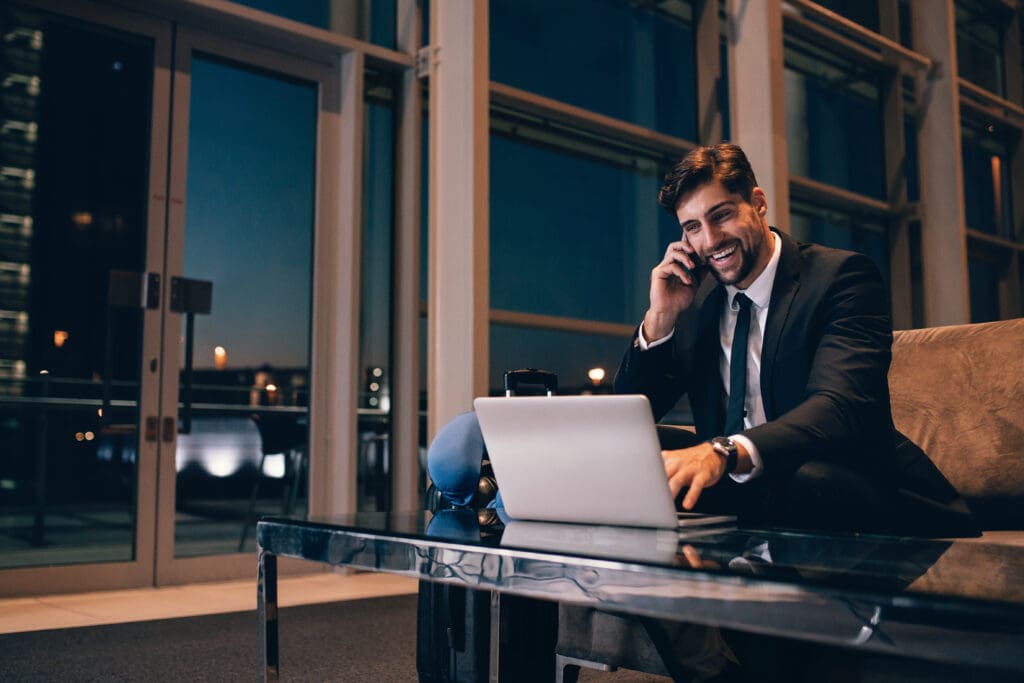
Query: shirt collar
{"x": 760, "y": 290}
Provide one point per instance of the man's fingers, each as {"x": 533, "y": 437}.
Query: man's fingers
{"x": 696, "y": 486}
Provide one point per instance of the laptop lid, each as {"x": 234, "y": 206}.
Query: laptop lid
{"x": 587, "y": 459}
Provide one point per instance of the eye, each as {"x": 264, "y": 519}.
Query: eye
{"x": 691, "y": 227}
{"x": 720, "y": 216}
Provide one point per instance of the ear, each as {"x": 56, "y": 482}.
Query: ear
{"x": 760, "y": 201}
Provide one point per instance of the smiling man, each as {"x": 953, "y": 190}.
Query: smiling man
{"x": 784, "y": 350}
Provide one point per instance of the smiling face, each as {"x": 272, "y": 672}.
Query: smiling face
{"x": 728, "y": 232}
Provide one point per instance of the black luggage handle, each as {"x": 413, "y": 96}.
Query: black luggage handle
{"x": 514, "y": 378}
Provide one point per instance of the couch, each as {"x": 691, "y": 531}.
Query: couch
{"x": 958, "y": 393}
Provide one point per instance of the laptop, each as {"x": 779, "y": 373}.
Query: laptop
{"x": 584, "y": 459}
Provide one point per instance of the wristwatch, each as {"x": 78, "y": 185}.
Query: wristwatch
{"x": 726, "y": 448}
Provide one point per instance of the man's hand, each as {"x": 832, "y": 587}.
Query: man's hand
{"x": 698, "y": 467}
{"x": 673, "y": 289}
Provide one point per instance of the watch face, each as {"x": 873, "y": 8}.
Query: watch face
{"x": 725, "y": 447}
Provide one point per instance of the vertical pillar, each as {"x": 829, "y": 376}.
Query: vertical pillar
{"x": 757, "y": 97}
{"x": 900, "y": 288}
{"x": 709, "y": 68}
{"x": 405, "y": 396}
{"x": 943, "y": 232}
{"x": 333, "y": 428}
{"x": 459, "y": 198}
{"x": 1011, "y": 297}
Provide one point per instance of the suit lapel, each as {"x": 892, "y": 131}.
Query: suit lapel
{"x": 787, "y": 282}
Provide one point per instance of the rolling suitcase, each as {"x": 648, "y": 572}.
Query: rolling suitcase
{"x": 453, "y": 628}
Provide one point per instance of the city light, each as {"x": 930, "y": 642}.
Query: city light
{"x": 596, "y": 375}
{"x": 59, "y": 337}
{"x": 220, "y": 357}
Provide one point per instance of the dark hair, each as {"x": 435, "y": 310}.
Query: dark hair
{"x": 724, "y": 162}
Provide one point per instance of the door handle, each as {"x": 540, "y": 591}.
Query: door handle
{"x": 125, "y": 289}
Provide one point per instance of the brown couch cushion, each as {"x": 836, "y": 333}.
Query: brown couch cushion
{"x": 957, "y": 393}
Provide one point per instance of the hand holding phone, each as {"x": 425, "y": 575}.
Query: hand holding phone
{"x": 673, "y": 288}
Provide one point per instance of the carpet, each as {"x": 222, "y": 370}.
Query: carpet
{"x": 355, "y": 640}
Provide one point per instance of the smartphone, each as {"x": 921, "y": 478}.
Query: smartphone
{"x": 697, "y": 272}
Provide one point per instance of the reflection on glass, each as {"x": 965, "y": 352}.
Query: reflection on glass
{"x": 833, "y": 122}
{"x": 248, "y": 230}
{"x": 631, "y": 61}
{"x": 590, "y": 223}
{"x": 74, "y": 142}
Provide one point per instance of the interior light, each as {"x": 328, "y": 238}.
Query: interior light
{"x": 82, "y": 219}
{"x": 596, "y": 375}
{"x": 59, "y": 337}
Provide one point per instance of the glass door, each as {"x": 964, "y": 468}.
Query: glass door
{"x": 83, "y": 126}
{"x": 240, "y": 257}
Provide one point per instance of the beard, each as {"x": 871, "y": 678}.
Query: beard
{"x": 748, "y": 259}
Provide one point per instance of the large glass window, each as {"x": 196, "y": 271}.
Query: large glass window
{"x": 575, "y": 230}
{"x": 591, "y": 224}
{"x": 979, "y": 45}
{"x": 833, "y": 121}
{"x": 249, "y": 230}
{"x": 74, "y": 153}
{"x": 987, "y": 182}
{"x": 631, "y": 61}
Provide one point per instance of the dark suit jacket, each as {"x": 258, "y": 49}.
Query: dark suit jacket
{"x": 824, "y": 366}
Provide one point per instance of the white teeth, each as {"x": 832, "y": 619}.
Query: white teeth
{"x": 725, "y": 253}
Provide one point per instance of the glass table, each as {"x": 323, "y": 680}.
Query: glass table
{"x": 957, "y": 602}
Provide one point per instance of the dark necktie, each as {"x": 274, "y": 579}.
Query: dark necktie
{"x": 738, "y": 368}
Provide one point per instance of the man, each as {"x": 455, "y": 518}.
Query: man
{"x": 784, "y": 352}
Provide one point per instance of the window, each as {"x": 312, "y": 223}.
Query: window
{"x": 816, "y": 224}
{"x": 984, "y": 282}
{"x": 581, "y": 214}
{"x": 833, "y": 121}
{"x": 987, "y": 184}
{"x": 626, "y": 60}
{"x": 979, "y": 46}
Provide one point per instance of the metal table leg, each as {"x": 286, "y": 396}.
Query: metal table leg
{"x": 266, "y": 609}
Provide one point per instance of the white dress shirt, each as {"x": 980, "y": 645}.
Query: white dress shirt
{"x": 760, "y": 293}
